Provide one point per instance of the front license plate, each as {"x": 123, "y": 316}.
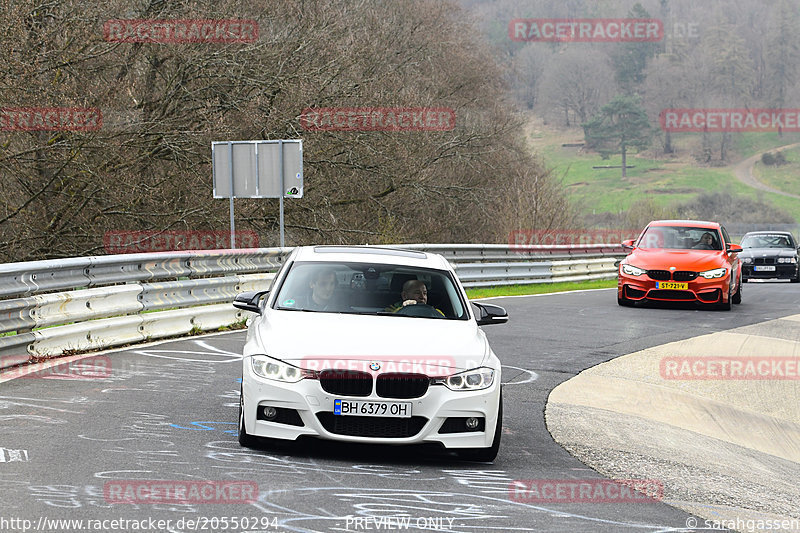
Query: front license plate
{"x": 764, "y": 268}
{"x": 365, "y": 408}
{"x": 672, "y": 285}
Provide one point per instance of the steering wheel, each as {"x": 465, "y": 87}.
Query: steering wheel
{"x": 423, "y": 310}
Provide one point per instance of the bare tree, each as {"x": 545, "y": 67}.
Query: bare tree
{"x": 577, "y": 82}
{"x": 148, "y": 167}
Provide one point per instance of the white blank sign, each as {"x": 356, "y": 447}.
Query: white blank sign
{"x": 252, "y": 169}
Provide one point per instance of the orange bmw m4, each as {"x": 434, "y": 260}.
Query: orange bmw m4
{"x": 681, "y": 261}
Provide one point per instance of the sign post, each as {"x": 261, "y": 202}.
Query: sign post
{"x": 257, "y": 169}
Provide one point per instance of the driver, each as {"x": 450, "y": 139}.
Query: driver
{"x": 414, "y": 292}
{"x": 323, "y": 286}
{"x": 706, "y": 242}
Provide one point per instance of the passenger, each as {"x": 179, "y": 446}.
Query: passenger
{"x": 414, "y": 292}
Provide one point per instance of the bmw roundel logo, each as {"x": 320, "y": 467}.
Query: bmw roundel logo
{"x": 375, "y": 366}
{"x": 672, "y": 268}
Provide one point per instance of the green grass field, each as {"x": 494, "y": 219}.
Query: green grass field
{"x": 784, "y": 177}
{"x": 665, "y": 181}
{"x": 539, "y": 288}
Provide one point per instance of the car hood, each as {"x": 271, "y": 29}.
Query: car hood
{"x": 768, "y": 252}
{"x": 659, "y": 259}
{"x": 405, "y": 344}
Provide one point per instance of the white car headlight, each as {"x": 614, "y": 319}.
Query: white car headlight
{"x": 787, "y": 260}
{"x": 475, "y": 379}
{"x": 632, "y": 270}
{"x": 747, "y": 260}
{"x": 715, "y": 273}
{"x": 269, "y": 368}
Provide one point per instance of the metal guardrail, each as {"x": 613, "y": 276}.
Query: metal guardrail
{"x": 488, "y": 265}
{"x": 55, "y": 307}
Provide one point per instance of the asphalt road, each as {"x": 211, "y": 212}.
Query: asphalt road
{"x": 168, "y": 412}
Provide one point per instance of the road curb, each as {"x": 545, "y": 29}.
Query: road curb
{"x": 724, "y": 449}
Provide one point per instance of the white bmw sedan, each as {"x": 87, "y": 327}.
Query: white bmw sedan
{"x": 368, "y": 344}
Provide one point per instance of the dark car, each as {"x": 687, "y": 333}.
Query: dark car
{"x": 769, "y": 255}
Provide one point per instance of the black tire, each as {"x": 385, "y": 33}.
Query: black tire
{"x": 796, "y": 279}
{"x": 737, "y": 296}
{"x": 621, "y": 300}
{"x": 245, "y": 439}
{"x": 487, "y": 455}
{"x": 726, "y": 306}
{"x": 624, "y": 302}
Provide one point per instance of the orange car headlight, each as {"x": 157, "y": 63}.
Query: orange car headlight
{"x": 632, "y": 270}
{"x": 715, "y": 273}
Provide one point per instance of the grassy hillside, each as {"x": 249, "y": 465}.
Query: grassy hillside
{"x": 666, "y": 181}
{"x": 784, "y": 177}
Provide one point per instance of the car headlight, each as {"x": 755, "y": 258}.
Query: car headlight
{"x": 715, "y": 273}
{"x": 787, "y": 260}
{"x": 274, "y": 369}
{"x": 632, "y": 270}
{"x": 747, "y": 260}
{"x": 475, "y": 379}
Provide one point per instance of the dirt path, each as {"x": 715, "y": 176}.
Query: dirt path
{"x": 744, "y": 172}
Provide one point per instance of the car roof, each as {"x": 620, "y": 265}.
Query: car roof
{"x": 687, "y": 223}
{"x": 371, "y": 254}
{"x": 767, "y": 232}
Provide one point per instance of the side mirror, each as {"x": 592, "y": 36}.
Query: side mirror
{"x": 249, "y": 301}
{"x": 490, "y": 314}
{"x": 733, "y": 248}
{"x": 628, "y": 245}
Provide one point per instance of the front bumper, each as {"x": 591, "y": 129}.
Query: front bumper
{"x": 782, "y": 271}
{"x": 707, "y": 291}
{"x": 307, "y": 411}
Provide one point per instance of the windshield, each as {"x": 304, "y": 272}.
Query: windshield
{"x": 680, "y": 238}
{"x": 767, "y": 241}
{"x": 364, "y": 288}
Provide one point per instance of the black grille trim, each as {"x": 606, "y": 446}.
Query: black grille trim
{"x": 764, "y": 261}
{"x": 667, "y": 294}
{"x": 290, "y": 417}
{"x": 630, "y": 292}
{"x": 659, "y": 275}
{"x": 684, "y": 275}
{"x": 371, "y": 426}
{"x": 458, "y": 424}
{"x": 346, "y": 382}
{"x": 710, "y": 296}
{"x": 400, "y": 385}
